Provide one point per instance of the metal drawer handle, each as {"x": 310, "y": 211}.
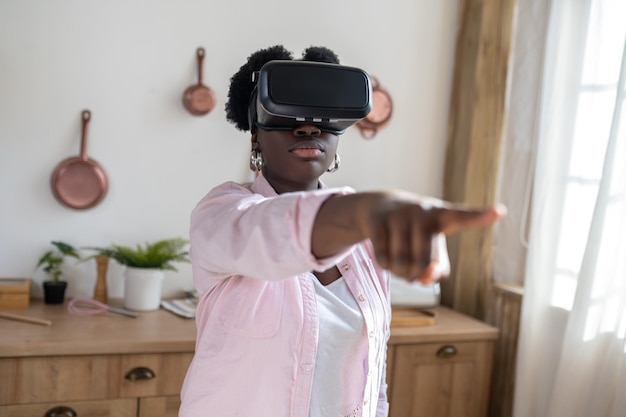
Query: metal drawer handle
{"x": 140, "y": 374}
{"x": 446, "y": 352}
{"x": 61, "y": 411}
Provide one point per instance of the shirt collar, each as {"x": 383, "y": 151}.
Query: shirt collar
{"x": 263, "y": 187}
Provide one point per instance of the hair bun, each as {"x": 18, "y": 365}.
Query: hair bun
{"x": 320, "y": 54}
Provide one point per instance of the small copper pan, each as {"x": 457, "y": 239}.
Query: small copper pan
{"x": 199, "y": 99}
{"x": 79, "y": 182}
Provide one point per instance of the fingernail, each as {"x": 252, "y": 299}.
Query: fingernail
{"x": 502, "y": 210}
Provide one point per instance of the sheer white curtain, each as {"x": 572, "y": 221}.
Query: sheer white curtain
{"x": 572, "y": 350}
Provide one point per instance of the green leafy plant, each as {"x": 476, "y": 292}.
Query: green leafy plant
{"x": 157, "y": 255}
{"x": 53, "y": 259}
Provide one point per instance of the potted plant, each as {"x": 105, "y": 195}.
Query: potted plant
{"x": 144, "y": 269}
{"x": 54, "y": 288}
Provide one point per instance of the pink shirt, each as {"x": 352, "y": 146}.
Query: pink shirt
{"x": 257, "y": 322}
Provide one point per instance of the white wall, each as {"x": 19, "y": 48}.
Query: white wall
{"x": 129, "y": 63}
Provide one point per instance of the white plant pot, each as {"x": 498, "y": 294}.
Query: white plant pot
{"x": 142, "y": 288}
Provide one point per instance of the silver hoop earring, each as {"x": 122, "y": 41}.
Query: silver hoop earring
{"x": 335, "y": 166}
{"x": 256, "y": 160}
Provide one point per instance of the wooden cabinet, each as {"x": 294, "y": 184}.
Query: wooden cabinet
{"x": 115, "y": 366}
{"x": 159, "y": 406}
{"x": 144, "y": 407}
{"x": 94, "y": 366}
{"x": 442, "y": 370}
{"x": 60, "y": 378}
{"x": 108, "y": 408}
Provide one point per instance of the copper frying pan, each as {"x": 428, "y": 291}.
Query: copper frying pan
{"x": 79, "y": 182}
{"x": 380, "y": 114}
{"x": 199, "y": 99}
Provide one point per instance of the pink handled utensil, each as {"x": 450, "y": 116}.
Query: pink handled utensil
{"x": 84, "y": 306}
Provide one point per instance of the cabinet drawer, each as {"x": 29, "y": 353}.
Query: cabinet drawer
{"x": 159, "y": 406}
{"x": 110, "y": 408}
{"x": 79, "y": 378}
{"x": 441, "y": 380}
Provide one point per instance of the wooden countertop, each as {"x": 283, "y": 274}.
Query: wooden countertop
{"x": 106, "y": 333}
{"x": 161, "y": 331}
{"x": 450, "y": 326}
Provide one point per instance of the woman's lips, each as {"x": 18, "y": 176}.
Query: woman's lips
{"x": 307, "y": 152}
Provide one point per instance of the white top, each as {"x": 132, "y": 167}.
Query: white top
{"x": 341, "y": 326}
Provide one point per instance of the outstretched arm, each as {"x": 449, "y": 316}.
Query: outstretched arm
{"x": 405, "y": 229}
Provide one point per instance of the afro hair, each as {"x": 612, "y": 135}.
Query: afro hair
{"x": 242, "y": 86}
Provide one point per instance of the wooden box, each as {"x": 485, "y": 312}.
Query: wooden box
{"x": 14, "y": 292}
{"x": 412, "y": 316}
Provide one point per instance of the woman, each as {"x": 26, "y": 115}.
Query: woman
{"x": 294, "y": 311}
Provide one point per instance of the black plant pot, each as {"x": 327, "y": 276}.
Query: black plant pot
{"x": 54, "y": 292}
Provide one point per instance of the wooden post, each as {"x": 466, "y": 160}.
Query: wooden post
{"x": 474, "y": 138}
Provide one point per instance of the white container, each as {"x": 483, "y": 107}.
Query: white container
{"x": 142, "y": 288}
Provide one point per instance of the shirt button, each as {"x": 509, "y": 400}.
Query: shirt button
{"x": 362, "y": 297}
{"x": 372, "y": 333}
{"x": 345, "y": 267}
{"x": 366, "y": 401}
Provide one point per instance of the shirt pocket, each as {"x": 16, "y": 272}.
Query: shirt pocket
{"x": 253, "y": 308}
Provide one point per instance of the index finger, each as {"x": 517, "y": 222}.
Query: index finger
{"x": 455, "y": 219}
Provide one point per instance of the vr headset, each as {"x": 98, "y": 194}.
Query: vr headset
{"x": 292, "y": 93}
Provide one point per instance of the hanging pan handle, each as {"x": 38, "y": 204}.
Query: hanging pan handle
{"x": 200, "y": 56}
{"x": 86, "y": 117}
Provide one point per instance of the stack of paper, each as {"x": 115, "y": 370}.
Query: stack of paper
{"x": 184, "y": 307}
